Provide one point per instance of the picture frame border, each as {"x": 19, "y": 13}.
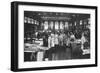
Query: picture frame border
{"x": 14, "y": 35}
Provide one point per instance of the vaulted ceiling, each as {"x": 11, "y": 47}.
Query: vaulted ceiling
{"x": 55, "y": 15}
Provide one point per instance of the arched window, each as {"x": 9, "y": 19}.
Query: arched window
{"x": 45, "y": 25}
{"x": 56, "y": 25}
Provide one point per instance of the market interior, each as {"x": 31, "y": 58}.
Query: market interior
{"x": 56, "y": 36}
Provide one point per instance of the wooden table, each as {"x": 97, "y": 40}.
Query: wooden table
{"x": 36, "y": 48}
